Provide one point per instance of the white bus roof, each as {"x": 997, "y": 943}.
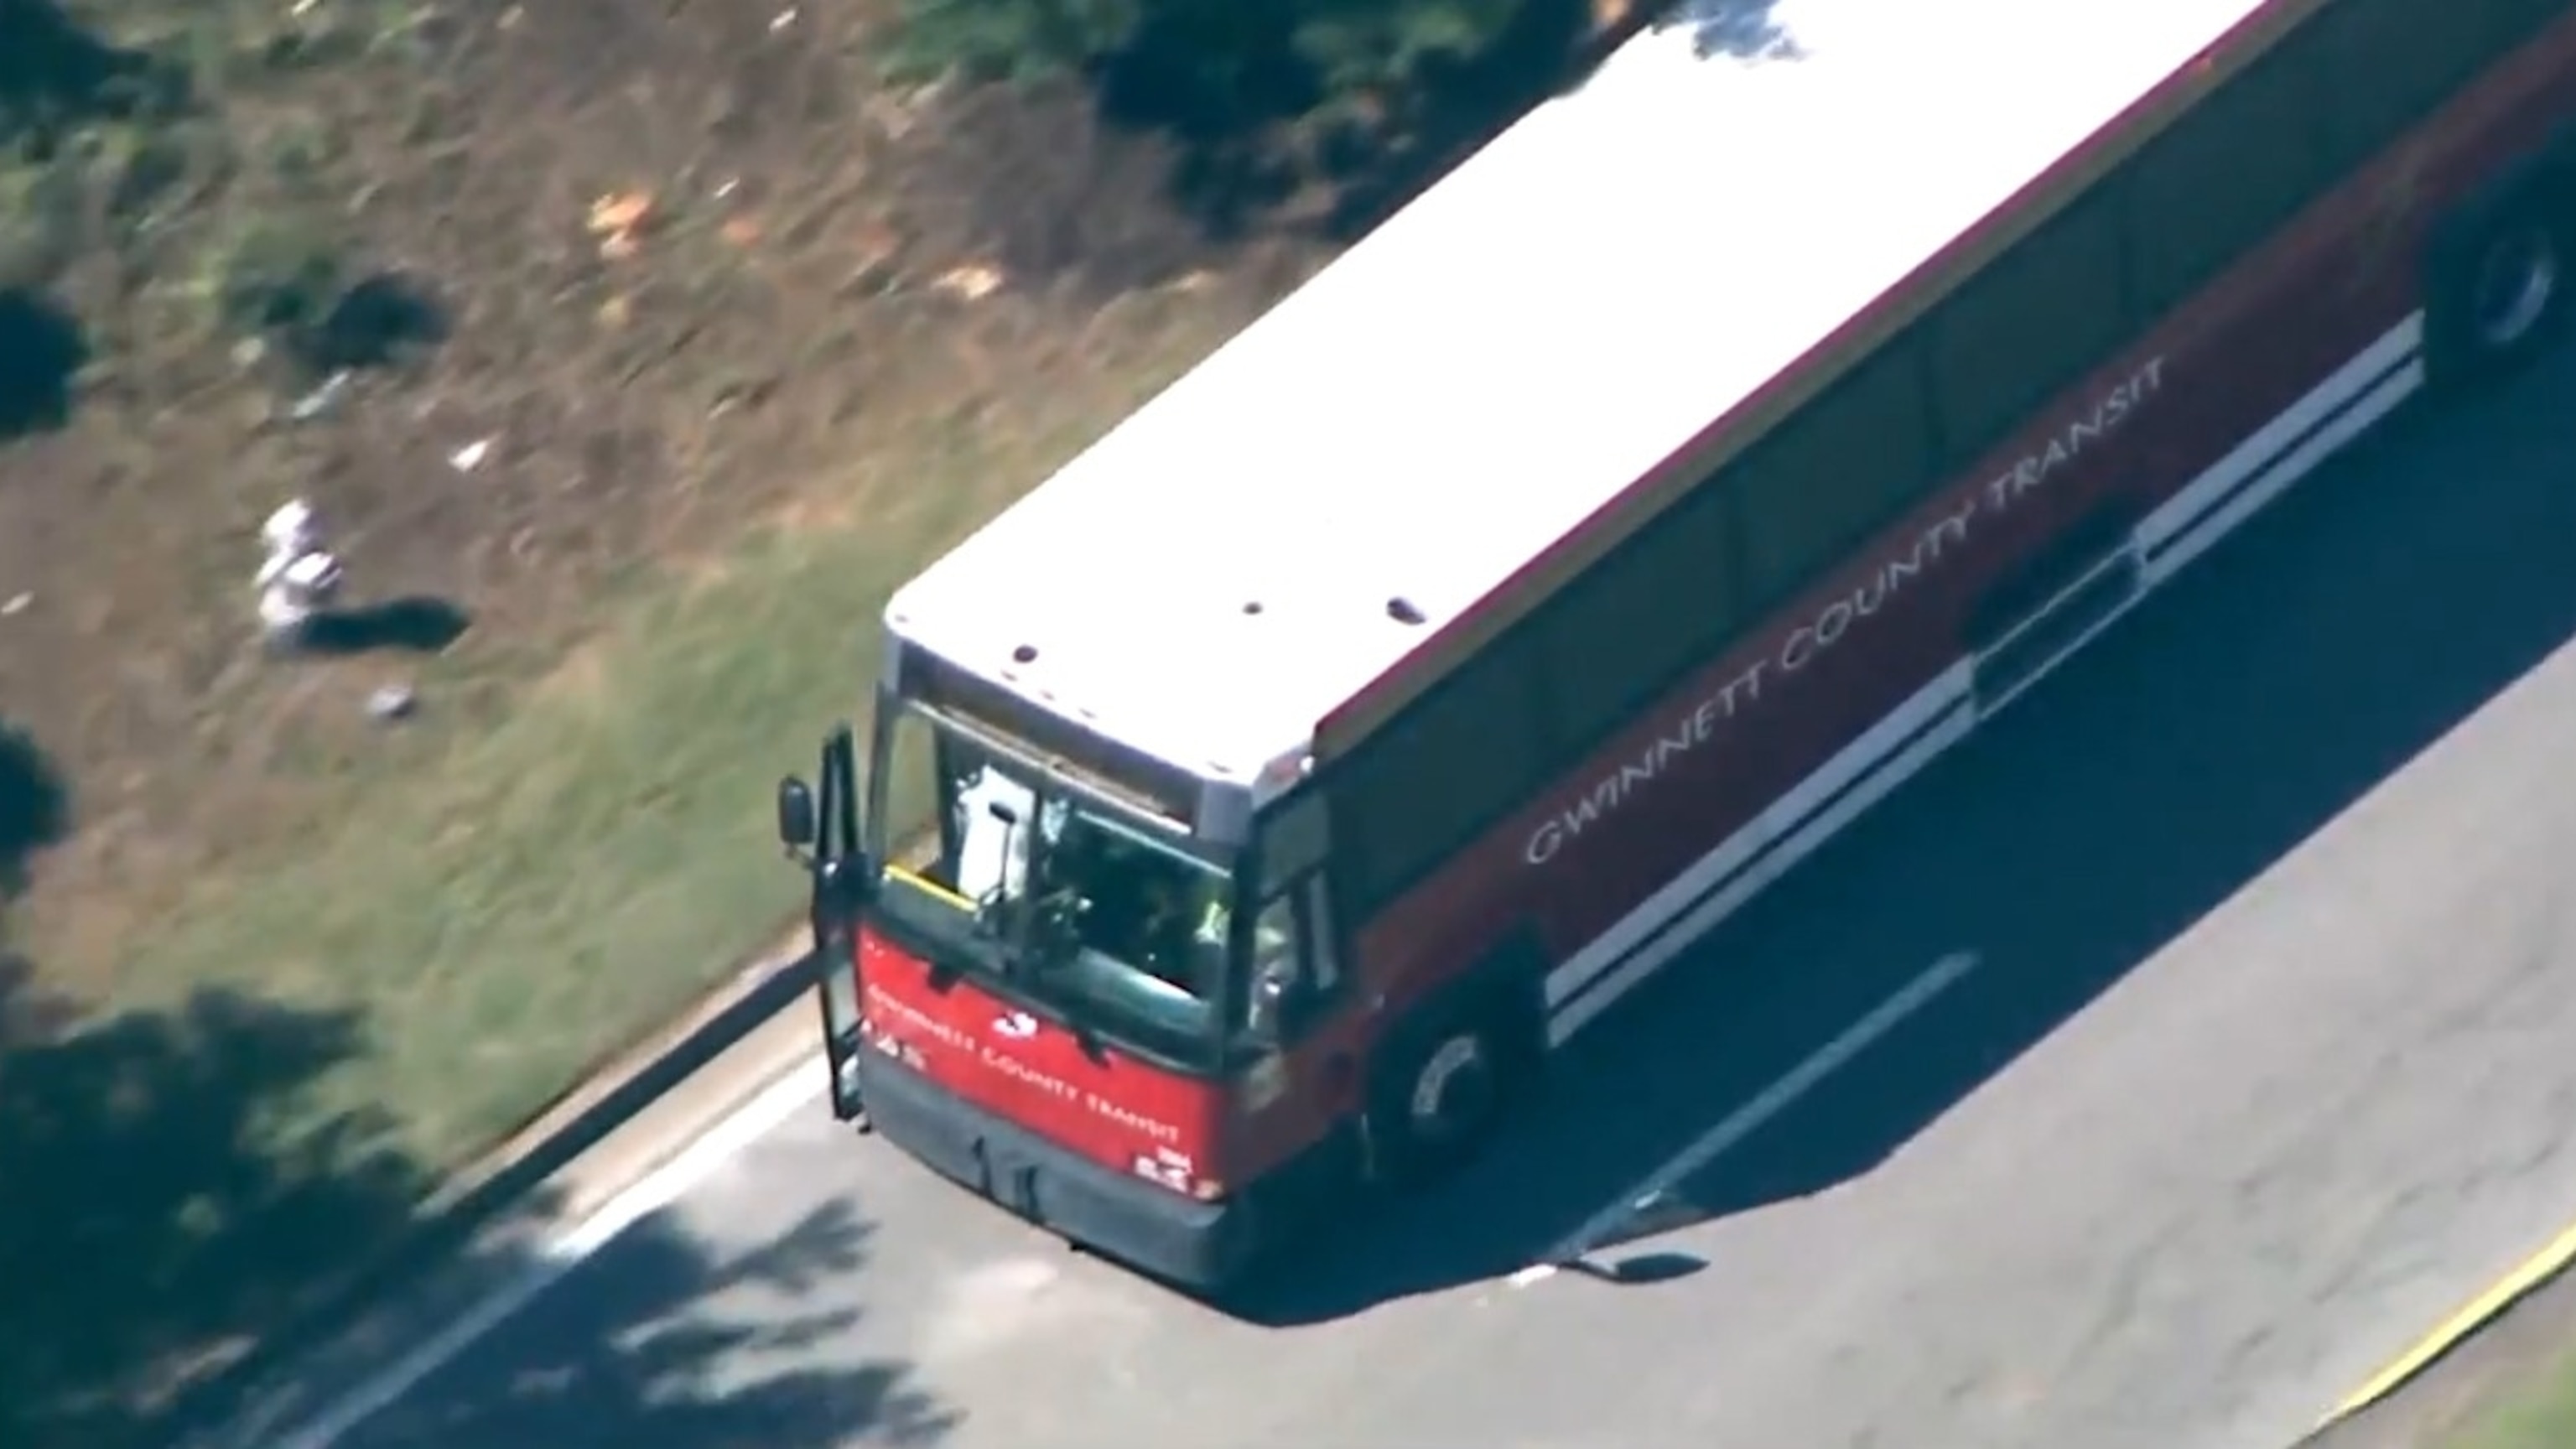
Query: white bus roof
{"x": 1506, "y": 355}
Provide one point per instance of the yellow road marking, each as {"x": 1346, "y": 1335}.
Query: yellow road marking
{"x": 2533, "y": 1271}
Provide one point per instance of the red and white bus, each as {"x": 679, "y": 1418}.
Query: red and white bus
{"x": 1703, "y": 456}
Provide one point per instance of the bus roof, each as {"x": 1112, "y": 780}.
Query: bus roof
{"x": 1508, "y": 354}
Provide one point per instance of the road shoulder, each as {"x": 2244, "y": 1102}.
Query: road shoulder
{"x": 490, "y": 1222}
{"x": 2502, "y": 1359}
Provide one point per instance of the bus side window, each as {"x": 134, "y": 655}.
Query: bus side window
{"x": 1445, "y": 768}
{"x": 1296, "y": 963}
{"x": 1846, "y": 463}
{"x": 1665, "y": 599}
{"x": 2388, "y": 64}
{"x": 2226, "y": 175}
{"x": 2511, "y": 23}
{"x": 1315, "y": 929}
{"x": 2029, "y": 326}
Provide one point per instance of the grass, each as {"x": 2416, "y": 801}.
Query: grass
{"x": 691, "y": 269}
{"x": 2541, "y": 1414}
{"x": 546, "y": 891}
{"x": 697, "y": 275}
{"x": 751, "y": 332}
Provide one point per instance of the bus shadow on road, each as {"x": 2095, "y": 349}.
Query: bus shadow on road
{"x": 2306, "y": 662}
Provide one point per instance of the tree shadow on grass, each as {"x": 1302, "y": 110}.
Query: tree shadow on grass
{"x": 173, "y": 1202}
{"x": 381, "y": 319}
{"x": 35, "y": 808}
{"x": 151, "y": 1215}
{"x": 42, "y": 350}
{"x": 324, "y": 323}
{"x": 56, "y": 73}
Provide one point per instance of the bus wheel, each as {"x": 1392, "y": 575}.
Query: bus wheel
{"x": 1440, "y": 1101}
{"x": 2499, "y": 289}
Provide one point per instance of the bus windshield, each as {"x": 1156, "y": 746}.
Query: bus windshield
{"x": 1095, "y": 918}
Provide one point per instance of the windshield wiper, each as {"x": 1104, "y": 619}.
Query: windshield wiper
{"x": 993, "y": 905}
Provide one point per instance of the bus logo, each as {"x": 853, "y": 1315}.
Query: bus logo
{"x": 1016, "y": 1025}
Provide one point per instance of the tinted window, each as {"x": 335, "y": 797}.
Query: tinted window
{"x": 2389, "y": 63}
{"x": 2036, "y": 319}
{"x": 1658, "y": 603}
{"x": 1445, "y": 768}
{"x": 2225, "y": 175}
{"x": 1295, "y": 837}
{"x": 1839, "y": 468}
{"x": 2511, "y": 22}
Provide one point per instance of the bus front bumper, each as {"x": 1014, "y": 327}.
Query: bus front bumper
{"x": 1201, "y": 1247}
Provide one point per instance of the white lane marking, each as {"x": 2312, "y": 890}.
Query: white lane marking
{"x": 656, "y": 1190}
{"x": 1750, "y": 1118}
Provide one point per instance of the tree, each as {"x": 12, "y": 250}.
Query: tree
{"x": 1013, "y": 39}
{"x": 1368, "y": 48}
{"x": 1294, "y": 114}
{"x": 1339, "y": 52}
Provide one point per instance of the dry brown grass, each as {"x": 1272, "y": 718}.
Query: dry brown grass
{"x": 718, "y": 301}
{"x": 749, "y": 334}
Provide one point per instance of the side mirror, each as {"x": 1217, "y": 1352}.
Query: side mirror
{"x": 797, "y": 828}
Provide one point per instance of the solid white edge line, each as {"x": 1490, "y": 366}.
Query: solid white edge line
{"x": 799, "y": 1088}
{"x": 1750, "y": 1118}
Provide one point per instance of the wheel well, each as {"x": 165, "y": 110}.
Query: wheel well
{"x": 2540, "y": 188}
{"x": 1505, "y": 991}
{"x": 1502, "y": 994}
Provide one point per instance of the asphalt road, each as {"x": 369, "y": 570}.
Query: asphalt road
{"x": 2267, "y": 1061}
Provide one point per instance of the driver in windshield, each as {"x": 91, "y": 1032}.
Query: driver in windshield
{"x": 1184, "y": 938}
{"x": 1153, "y": 913}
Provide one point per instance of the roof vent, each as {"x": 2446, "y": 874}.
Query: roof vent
{"x": 1402, "y": 611}
{"x": 1252, "y": 606}
{"x": 1025, "y": 654}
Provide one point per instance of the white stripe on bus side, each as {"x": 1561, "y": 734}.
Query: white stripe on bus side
{"x": 1846, "y": 770}
{"x": 1587, "y": 984}
{"x": 2211, "y": 505}
{"x": 2253, "y": 474}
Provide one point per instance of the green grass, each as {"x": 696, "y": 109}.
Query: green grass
{"x": 2541, "y": 1414}
{"x": 270, "y": 973}
{"x": 535, "y": 896}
